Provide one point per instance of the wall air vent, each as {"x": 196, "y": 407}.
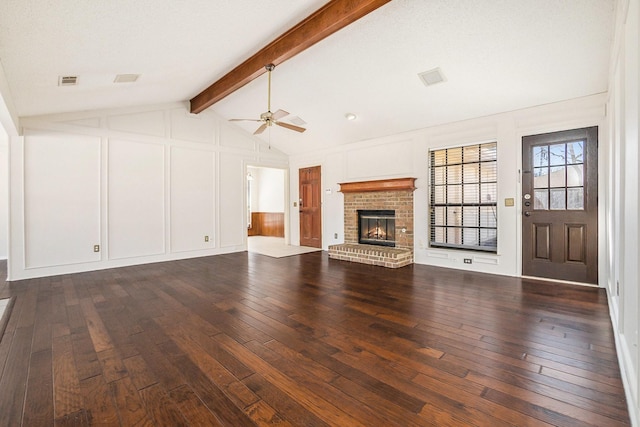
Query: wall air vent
{"x": 126, "y": 78}
{"x": 431, "y": 77}
{"x": 67, "y": 80}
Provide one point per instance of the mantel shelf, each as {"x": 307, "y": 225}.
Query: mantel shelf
{"x": 397, "y": 184}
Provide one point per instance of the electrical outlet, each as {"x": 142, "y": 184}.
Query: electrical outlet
{"x": 206, "y": 238}
{"x": 335, "y": 235}
{"x": 96, "y": 248}
{"x": 468, "y": 261}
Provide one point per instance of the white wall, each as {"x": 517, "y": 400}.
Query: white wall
{"x": 623, "y": 223}
{"x": 405, "y": 155}
{"x": 268, "y": 189}
{"x": 4, "y": 193}
{"x": 146, "y": 184}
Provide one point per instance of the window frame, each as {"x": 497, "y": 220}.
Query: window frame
{"x": 492, "y": 204}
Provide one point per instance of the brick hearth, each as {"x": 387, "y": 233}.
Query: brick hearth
{"x": 395, "y": 194}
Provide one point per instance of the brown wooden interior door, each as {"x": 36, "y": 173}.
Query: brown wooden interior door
{"x": 560, "y": 205}
{"x": 310, "y": 207}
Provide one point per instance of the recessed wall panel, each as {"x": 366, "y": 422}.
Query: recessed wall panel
{"x": 192, "y": 199}
{"x": 136, "y": 199}
{"x": 231, "y": 199}
{"x": 61, "y": 198}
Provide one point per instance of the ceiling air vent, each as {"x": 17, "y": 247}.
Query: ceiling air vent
{"x": 126, "y": 78}
{"x": 67, "y": 80}
{"x": 431, "y": 77}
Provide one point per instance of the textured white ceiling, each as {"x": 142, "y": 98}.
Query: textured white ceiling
{"x": 496, "y": 56}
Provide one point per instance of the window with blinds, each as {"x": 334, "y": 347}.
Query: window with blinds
{"x": 463, "y": 208}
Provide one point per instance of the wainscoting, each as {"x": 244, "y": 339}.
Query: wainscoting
{"x": 267, "y": 224}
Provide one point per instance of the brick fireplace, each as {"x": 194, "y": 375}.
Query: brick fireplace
{"x": 382, "y": 195}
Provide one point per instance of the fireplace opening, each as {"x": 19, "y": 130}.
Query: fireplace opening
{"x": 377, "y": 227}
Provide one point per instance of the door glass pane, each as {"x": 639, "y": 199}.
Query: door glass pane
{"x": 557, "y": 176}
{"x": 557, "y": 154}
{"x": 575, "y": 176}
{"x": 575, "y": 152}
{"x": 575, "y": 198}
{"x": 541, "y": 199}
{"x": 439, "y": 234}
{"x": 541, "y": 177}
{"x": 558, "y": 199}
{"x": 541, "y": 155}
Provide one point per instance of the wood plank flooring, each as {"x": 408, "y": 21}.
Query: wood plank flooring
{"x": 243, "y": 340}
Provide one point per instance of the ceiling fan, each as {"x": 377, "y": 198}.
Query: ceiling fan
{"x": 268, "y": 118}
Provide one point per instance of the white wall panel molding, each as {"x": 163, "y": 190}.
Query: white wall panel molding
{"x": 154, "y": 180}
{"x": 192, "y": 199}
{"x": 62, "y": 211}
{"x": 136, "y": 199}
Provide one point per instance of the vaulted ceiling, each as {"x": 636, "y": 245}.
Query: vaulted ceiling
{"x": 495, "y": 56}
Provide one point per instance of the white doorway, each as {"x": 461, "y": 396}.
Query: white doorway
{"x": 267, "y": 213}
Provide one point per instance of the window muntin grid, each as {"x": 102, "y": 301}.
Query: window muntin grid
{"x": 463, "y": 200}
{"x": 558, "y": 176}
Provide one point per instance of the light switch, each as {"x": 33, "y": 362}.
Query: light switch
{"x": 295, "y": 204}
{"x": 509, "y": 201}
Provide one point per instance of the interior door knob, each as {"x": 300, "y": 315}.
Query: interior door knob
{"x": 527, "y": 213}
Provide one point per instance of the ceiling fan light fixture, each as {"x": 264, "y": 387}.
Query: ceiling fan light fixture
{"x": 350, "y": 116}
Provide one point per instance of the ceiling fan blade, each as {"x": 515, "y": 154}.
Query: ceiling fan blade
{"x": 292, "y": 127}
{"x": 245, "y": 120}
{"x": 260, "y": 129}
{"x": 279, "y": 114}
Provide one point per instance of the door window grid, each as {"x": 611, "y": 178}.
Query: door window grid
{"x": 463, "y": 200}
{"x": 558, "y": 176}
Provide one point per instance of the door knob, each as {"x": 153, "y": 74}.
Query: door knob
{"x": 527, "y": 213}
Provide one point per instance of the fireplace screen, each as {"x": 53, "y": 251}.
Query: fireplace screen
{"x": 377, "y": 227}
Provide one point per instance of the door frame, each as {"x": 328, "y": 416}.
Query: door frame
{"x": 287, "y": 194}
{"x": 602, "y": 190}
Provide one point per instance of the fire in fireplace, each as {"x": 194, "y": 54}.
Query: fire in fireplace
{"x": 377, "y": 227}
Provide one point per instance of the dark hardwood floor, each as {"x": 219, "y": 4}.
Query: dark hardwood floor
{"x": 244, "y": 339}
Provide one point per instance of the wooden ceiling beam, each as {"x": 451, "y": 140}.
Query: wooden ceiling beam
{"x": 330, "y": 18}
